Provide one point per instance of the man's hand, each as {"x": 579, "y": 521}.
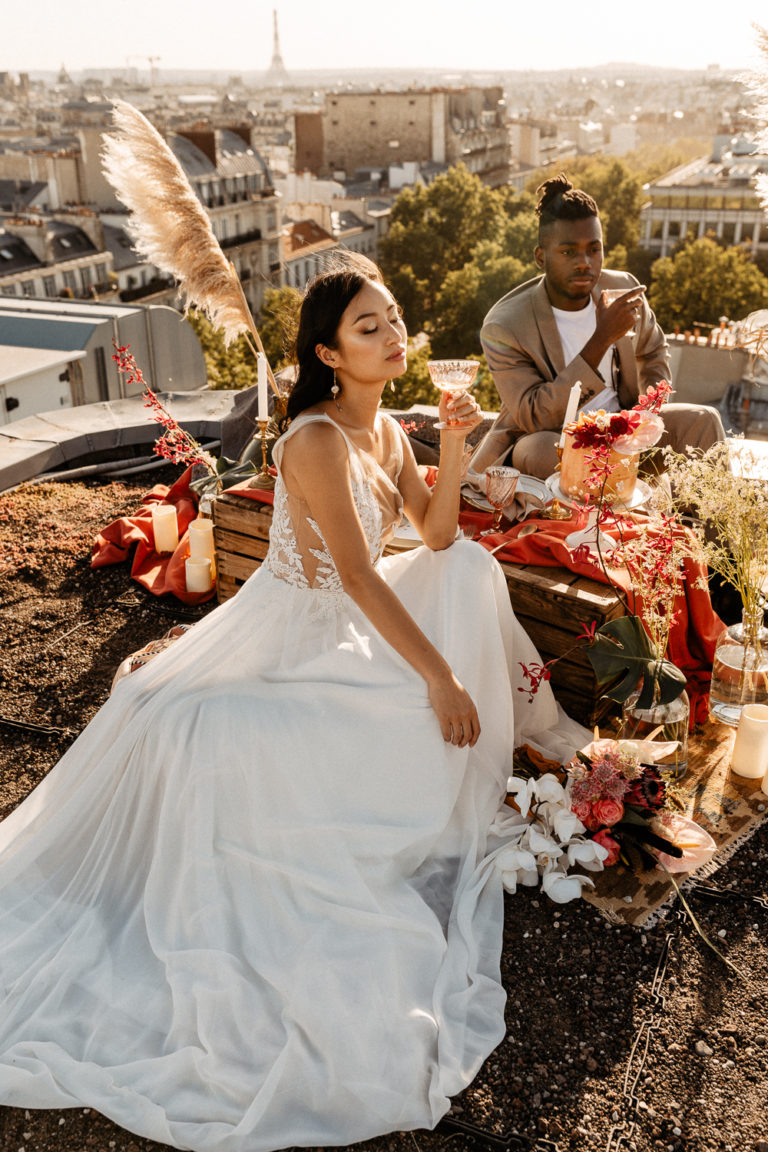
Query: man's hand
{"x": 617, "y": 313}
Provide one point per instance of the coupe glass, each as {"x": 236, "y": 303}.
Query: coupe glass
{"x": 612, "y": 294}
{"x": 453, "y": 376}
{"x": 500, "y": 485}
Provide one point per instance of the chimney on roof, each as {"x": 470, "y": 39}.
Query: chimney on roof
{"x": 202, "y": 138}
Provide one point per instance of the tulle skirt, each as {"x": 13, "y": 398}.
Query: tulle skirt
{"x": 251, "y": 907}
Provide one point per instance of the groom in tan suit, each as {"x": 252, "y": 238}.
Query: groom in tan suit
{"x": 557, "y": 329}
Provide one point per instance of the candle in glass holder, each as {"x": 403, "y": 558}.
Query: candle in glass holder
{"x": 197, "y": 573}
{"x": 165, "y": 528}
{"x": 750, "y": 748}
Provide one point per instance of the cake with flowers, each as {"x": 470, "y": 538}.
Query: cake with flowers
{"x": 601, "y": 450}
{"x": 595, "y": 462}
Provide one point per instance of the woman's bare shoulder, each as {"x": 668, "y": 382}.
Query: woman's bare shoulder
{"x": 314, "y": 438}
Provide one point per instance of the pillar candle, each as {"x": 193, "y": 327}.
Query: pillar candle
{"x": 201, "y": 539}
{"x": 571, "y": 409}
{"x": 261, "y": 376}
{"x": 750, "y": 748}
{"x": 197, "y": 573}
{"x": 165, "y": 528}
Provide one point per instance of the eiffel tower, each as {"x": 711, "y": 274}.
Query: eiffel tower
{"x": 277, "y": 74}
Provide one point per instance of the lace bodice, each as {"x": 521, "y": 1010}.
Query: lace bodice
{"x": 297, "y": 552}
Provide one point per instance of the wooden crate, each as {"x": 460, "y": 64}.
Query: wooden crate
{"x": 552, "y": 604}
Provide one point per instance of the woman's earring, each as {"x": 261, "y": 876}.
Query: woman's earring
{"x": 391, "y": 385}
{"x": 335, "y": 392}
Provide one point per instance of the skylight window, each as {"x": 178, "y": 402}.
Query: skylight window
{"x": 6, "y": 254}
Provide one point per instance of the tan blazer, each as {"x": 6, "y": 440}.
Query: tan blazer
{"x": 525, "y": 356}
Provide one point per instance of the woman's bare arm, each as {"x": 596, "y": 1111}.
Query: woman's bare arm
{"x": 435, "y": 513}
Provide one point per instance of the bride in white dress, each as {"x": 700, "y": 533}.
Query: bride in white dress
{"x": 252, "y": 907}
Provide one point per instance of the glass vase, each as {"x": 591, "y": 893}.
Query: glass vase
{"x": 739, "y": 669}
{"x": 662, "y": 722}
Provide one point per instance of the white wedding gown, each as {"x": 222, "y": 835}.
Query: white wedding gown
{"x": 251, "y": 907}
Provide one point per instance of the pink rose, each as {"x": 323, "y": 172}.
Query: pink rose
{"x": 591, "y": 822}
{"x": 612, "y": 846}
{"x": 608, "y": 811}
{"x": 582, "y": 809}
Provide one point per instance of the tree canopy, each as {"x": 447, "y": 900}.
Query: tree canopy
{"x": 704, "y": 281}
{"x": 434, "y": 231}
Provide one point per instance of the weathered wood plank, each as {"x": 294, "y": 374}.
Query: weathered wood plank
{"x": 238, "y": 567}
{"x": 240, "y": 544}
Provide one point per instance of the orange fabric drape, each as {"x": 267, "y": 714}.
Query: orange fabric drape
{"x": 158, "y": 573}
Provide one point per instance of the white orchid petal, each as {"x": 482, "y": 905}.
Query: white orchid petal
{"x": 567, "y": 825}
{"x": 529, "y": 877}
{"x": 587, "y": 853}
{"x": 549, "y": 789}
{"x": 539, "y": 842}
{"x": 561, "y": 887}
{"x": 509, "y": 880}
{"x": 512, "y": 859}
{"x": 522, "y": 791}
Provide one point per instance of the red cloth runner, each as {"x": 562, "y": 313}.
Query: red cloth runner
{"x": 158, "y": 573}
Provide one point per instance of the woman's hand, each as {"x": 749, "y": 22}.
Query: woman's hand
{"x": 460, "y": 406}
{"x": 459, "y": 722}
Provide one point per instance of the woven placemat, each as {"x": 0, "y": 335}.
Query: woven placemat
{"x": 727, "y": 806}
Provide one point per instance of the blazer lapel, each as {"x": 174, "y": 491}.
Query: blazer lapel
{"x": 545, "y": 321}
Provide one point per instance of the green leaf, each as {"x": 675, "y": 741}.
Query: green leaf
{"x": 622, "y": 647}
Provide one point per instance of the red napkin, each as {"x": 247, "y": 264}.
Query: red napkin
{"x": 157, "y": 572}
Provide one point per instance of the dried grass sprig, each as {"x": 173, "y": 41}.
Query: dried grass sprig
{"x": 169, "y": 226}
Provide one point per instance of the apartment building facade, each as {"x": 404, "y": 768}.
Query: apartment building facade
{"x": 709, "y": 196}
{"x": 364, "y": 130}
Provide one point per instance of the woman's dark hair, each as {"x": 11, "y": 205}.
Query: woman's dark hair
{"x": 559, "y": 200}
{"x": 327, "y": 297}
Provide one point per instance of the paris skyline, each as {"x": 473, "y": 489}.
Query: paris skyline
{"x": 236, "y": 35}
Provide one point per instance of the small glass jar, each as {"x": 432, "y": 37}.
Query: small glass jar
{"x": 662, "y": 722}
{"x": 739, "y": 669}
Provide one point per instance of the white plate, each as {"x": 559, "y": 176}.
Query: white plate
{"x": 405, "y": 535}
{"x": 527, "y": 485}
{"x": 639, "y": 497}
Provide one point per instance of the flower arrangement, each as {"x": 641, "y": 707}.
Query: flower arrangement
{"x": 626, "y": 432}
{"x": 617, "y": 798}
{"x": 611, "y": 805}
{"x": 727, "y": 491}
{"x": 614, "y": 805}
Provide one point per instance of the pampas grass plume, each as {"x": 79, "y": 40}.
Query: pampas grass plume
{"x": 169, "y": 226}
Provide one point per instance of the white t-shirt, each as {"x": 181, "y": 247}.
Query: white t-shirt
{"x": 575, "y": 328}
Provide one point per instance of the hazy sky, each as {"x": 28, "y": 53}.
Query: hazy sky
{"x": 236, "y": 35}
